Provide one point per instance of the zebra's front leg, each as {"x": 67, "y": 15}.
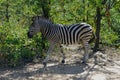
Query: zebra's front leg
{"x": 86, "y": 52}
{"x": 48, "y": 55}
{"x": 62, "y": 54}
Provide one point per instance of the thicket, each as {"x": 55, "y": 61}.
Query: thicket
{"x": 15, "y": 18}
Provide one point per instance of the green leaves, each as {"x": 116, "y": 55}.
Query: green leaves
{"x": 108, "y": 36}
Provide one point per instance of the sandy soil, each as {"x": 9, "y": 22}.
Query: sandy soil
{"x": 108, "y": 68}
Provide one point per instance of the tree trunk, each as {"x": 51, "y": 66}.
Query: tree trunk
{"x": 7, "y": 12}
{"x": 98, "y": 23}
{"x": 45, "y": 8}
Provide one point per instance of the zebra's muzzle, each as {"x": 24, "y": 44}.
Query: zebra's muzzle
{"x": 29, "y": 35}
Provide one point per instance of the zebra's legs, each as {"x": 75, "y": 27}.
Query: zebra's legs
{"x": 48, "y": 55}
{"x": 86, "y": 53}
{"x": 62, "y": 54}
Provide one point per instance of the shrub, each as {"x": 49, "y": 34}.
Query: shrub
{"x": 17, "y": 47}
{"x": 109, "y": 37}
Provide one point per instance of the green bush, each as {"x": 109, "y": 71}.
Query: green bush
{"x": 16, "y": 47}
{"x": 27, "y": 54}
{"x": 109, "y": 37}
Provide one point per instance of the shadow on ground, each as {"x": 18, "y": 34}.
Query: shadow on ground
{"x": 23, "y": 73}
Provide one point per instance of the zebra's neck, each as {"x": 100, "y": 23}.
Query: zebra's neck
{"x": 47, "y": 27}
{"x": 44, "y": 24}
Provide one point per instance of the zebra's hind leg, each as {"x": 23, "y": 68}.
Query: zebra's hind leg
{"x": 86, "y": 51}
{"x": 62, "y": 54}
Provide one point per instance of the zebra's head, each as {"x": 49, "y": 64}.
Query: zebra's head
{"x": 39, "y": 24}
{"x": 34, "y": 27}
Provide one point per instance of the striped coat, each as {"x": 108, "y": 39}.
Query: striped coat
{"x": 80, "y": 33}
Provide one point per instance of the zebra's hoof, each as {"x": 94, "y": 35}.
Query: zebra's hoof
{"x": 84, "y": 62}
{"x": 44, "y": 64}
{"x": 63, "y": 61}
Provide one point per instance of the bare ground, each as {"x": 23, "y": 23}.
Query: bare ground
{"x": 108, "y": 68}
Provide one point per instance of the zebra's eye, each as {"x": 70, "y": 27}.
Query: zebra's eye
{"x": 31, "y": 31}
{"x": 33, "y": 26}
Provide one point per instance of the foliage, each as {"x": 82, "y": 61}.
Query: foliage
{"x": 109, "y": 37}
{"x": 15, "y": 15}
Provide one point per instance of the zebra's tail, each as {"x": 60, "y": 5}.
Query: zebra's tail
{"x": 93, "y": 38}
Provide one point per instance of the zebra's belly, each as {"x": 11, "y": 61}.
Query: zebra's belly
{"x": 72, "y": 46}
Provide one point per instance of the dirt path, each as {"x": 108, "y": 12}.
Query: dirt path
{"x": 107, "y": 69}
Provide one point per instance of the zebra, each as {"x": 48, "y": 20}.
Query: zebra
{"x": 57, "y": 34}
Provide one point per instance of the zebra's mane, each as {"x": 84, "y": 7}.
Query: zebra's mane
{"x": 46, "y": 21}
{"x": 43, "y": 19}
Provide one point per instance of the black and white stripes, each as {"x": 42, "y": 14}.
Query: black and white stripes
{"x": 57, "y": 34}
{"x": 73, "y": 34}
